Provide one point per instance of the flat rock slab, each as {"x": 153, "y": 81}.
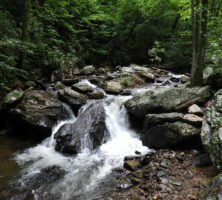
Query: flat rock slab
{"x": 166, "y": 100}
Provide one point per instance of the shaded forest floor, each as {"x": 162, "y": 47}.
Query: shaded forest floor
{"x": 165, "y": 175}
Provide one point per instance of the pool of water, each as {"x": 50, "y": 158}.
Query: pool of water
{"x": 9, "y": 169}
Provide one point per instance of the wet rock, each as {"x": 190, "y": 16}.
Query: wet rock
{"x": 152, "y": 120}
{"x": 12, "y": 98}
{"x": 131, "y": 164}
{"x": 102, "y": 70}
{"x": 113, "y": 87}
{"x": 166, "y": 100}
{"x": 147, "y": 75}
{"x": 96, "y": 94}
{"x": 214, "y": 192}
{"x": 169, "y": 134}
{"x": 89, "y": 130}
{"x": 82, "y": 87}
{"x": 59, "y": 86}
{"x": 195, "y": 109}
{"x": 211, "y": 133}
{"x": 38, "y": 185}
{"x": 88, "y": 70}
{"x": 193, "y": 119}
{"x": 185, "y": 79}
{"x": 73, "y": 98}
{"x": 36, "y": 114}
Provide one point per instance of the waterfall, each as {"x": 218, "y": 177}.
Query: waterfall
{"x": 86, "y": 171}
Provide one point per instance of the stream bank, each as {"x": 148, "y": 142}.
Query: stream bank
{"x": 91, "y": 128}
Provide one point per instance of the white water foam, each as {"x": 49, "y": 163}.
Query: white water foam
{"x": 87, "y": 169}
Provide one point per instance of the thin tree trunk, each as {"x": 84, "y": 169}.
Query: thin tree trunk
{"x": 25, "y": 30}
{"x": 199, "y": 21}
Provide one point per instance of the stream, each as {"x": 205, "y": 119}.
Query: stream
{"x": 39, "y": 172}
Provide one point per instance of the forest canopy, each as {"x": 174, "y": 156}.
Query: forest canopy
{"x": 43, "y": 35}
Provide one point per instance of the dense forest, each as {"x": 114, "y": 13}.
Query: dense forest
{"x": 110, "y": 99}
{"x": 40, "y": 36}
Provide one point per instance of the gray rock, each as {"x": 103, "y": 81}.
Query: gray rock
{"x": 147, "y": 76}
{"x": 211, "y": 133}
{"x": 36, "y": 114}
{"x": 185, "y": 79}
{"x": 169, "y": 134}
{"x": 152, "y": 120}
{"x": 89, "y": 130}
{"x": 113, "y": 87}
{"x": 131, "y": 164}
{"x": 97, "y": 94}
{"x": 165, "y": 100}
{"x": 82, "y": 87}
{"x": 73, "y": 98}
{"x": 59, "y": 86}
{"x": 202, "y": 160}
{"x": 12, "y": 98}
{"x": 193, "y": 119}
{"x": 195, "y": 109}
{"x": 88, "y": 70}
{"x": 214, "y": 192}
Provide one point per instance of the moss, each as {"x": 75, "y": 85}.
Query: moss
{"x": 126, "y": 81}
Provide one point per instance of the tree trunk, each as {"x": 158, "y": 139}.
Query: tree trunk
{"x": 25, "y": 30}
{"x": 199, "y": 30}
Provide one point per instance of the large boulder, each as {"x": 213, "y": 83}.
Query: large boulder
{"x": 87, "y": 131}
{"x": 36, "y": 114}
{"x": 211, "y": 133}
{"x": 169, "y": 135}
{"x": 12, "y": 98}
{"x": 73, "y": 98}
{"x": 166, "y": 100}
{"x": 152, "y": 120}
{"x": 214, "y": 192}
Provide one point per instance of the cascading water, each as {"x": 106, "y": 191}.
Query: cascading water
{"x": 85, "y": 172}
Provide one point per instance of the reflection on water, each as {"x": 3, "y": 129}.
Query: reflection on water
{"x": 9, "y": 169}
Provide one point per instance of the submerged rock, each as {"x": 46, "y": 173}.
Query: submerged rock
{"x": 73, "y": 98}
{"x": 166, "y": 100}
{"x": 89, "y": 130}
{"x": 211, "y": 133}
{"x": 169, "y": 134}
{"x": 36, "y": 114}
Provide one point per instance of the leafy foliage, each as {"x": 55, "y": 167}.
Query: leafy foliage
{"x": 100, "y": 32}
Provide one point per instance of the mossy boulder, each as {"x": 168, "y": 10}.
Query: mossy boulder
{"x": 12, "y": 98}
{"x": 164, "y": 100}
{"x": 170, "y": 134}
{"x": 36, "y": 114}
{"x": 211, "y": 133}
{"x": 73, "y": 98}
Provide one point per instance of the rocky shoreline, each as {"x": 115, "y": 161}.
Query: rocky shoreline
{"x": 170, "y": 118}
